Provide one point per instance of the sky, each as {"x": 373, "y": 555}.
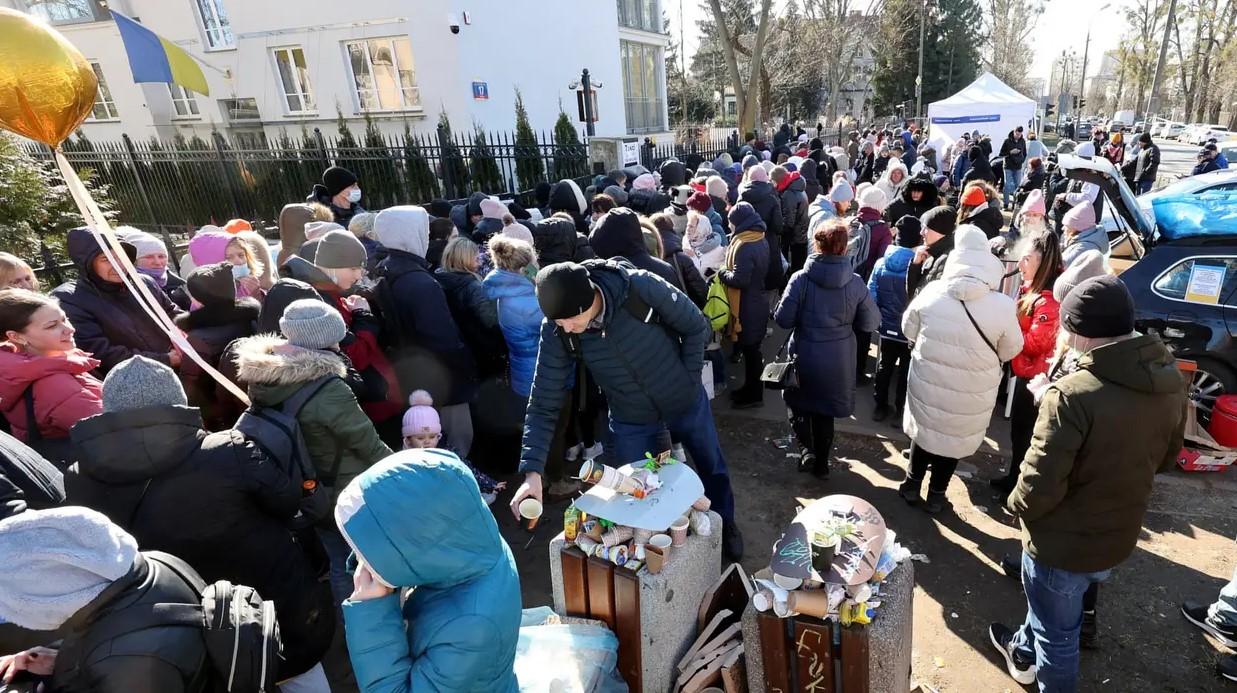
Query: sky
{"x": 1063, "y": 26}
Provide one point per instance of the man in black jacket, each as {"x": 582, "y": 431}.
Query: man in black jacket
{"x": 649, "y": 368}
{"x": 1014, "y": 150}
{"x": 929, "y": 263}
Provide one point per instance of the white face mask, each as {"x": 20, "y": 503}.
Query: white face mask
{"x": 354, "y": 195}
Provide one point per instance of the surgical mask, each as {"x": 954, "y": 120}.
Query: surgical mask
{"x": 354, "y": 195}
{"x": 239, "y": 271}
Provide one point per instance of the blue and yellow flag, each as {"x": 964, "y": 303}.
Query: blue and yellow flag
{"x": 156, "y": 59}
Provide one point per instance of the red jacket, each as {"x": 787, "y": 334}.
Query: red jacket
{"x": 1039, "y": 336}
{"x": 365, "y": 353}
{"x": 64, "y": 390}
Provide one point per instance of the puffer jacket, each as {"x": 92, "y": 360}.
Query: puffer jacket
{"x": 210, "y": 329}
{"x": 1094, "y": 238}
{"x": 880, "y": 236}
{"x": 989, "y": 219}
{"x": 1039, "y": 335}
{"x": 557, "y": 240}
{"x": 887, "y": 287}
{"x": 893, "y": 191}
{"x": 749, "y": 265}
{"x": 825, "y": 304}
{"x": 904, "y": 205}
{"x": 954, "y": 374}
{"x": 763, "y": 198}
{"x": 158, "y": 659}
{"x": 649, "y": 371}
{"x": 176, "y": 488}
{"x": 476, "y": 316}
{"x": 340, "y": 438}
{"x": 111, "y": 325}
{"x": 520, "y": 317}
{"x": 648, "y": 202}
{"x": 457, "y": 630}
{"x": 64, "y": 391}
{"x": 1102, "y": 434}
{"x": 794, "y": 201}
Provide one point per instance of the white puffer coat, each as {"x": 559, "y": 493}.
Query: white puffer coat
{"x": 954, "y": 375}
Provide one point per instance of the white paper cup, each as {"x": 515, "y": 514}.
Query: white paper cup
{"x": 661, "y": 541}
{"x": 530, "y": 510}
{"x": 787, "y": 583}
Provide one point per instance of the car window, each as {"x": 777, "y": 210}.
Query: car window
{"x": 1202, "y": 280}
{"x": 1218, "y": 188}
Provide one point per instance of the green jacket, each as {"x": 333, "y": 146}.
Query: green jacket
{"x": 1102, "y": 434}
{"x": 332, "y": 422}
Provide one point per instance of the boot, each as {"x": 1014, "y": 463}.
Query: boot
{"x": 820, "y": 469}
{"x": 881, "y": 412}
{"x": 909, "y": 490}
{"x": 807, "y": 460}
{"x": 935, "y": 503}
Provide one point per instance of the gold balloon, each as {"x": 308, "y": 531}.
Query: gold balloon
{"x": 46, "y": 86}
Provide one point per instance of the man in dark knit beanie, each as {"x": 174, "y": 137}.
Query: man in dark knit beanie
{"x": 938, "y": 226}
{"x": 1102, "y": 434}
{"x": 340, "y": 192}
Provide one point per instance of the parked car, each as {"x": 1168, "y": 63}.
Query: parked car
{"x": 1218, "y": 132}
{"x": 1169, "y": 130}
{"x": 1229, "y": 150}
{"x": 1082, "y": 131}
{"x": 1158, "y": 266}
{"x": 1191, "y": 185}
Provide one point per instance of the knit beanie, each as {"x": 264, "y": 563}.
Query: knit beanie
{"x": 942, "y": 220}
{"x": 744, "y": 217}
{"x": 1080, "y": 217}
{"x": 974, "y": 196}
{"x": 56, "y": 561}
{"x": 336, "y": 178}
{"x": 1034, "y": 203}
{"x": 841, "y": 192}
{"x": 749, "y": 161}
{"x": 874, "y": 198}
{"x": 362, "y": 224}
{"x": 1099, "y": 307}
{"x": 910, "y": 231}
{"x": 312, "y": 324}
{"x": 644, "y": 181}
{"x": 758, "y": 174}
{"x": 492, "y": 209}
{"x": 717, "y": 187}
{"x": 139, "y": 382}
{"x": 441, "y": 208}
{"x": 617, "y": 194}
{"x": 681, "y": 194}
{"x": 519, "y": 231}
{"x": 317, "y": 229}
{"x": 421, "y": 417}
{"x": 145, "y": 243}
{"x": 564, "y": 290}
{"x": 212, "y": 284}
{"x": 338, "y": 249}
{"x": 237, "y": 225}
{"x": 1085, "y": 266}
{"x": 767, "y": 165}
{"x": 701, "y": 202}
{"x": 209, "y": 245}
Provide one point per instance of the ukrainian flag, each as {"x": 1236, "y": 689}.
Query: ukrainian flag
{"x": 156, "y": 59}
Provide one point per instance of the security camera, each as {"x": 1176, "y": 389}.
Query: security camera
{"x": 454, "y": 23}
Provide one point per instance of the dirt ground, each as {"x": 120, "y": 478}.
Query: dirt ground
{"x": 1186, "y": 551}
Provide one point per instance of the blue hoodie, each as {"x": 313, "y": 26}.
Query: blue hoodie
{"x": 417, "y": 519}
{"x": 888, "y": 288}
{"x": 519, "y": 316}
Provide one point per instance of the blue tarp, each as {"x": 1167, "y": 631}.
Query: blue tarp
{"x": 1205, "y": 214}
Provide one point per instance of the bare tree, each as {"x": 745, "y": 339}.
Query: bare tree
{"x": 1008, "y": 27}
{"x": 744, "y": 93}
{"x": 834, "y": 23}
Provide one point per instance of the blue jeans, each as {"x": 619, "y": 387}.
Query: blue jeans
{"x": 694, "y": 428}
{"x": 1144, "y": 186}
{"x": 1224, "y": 611}
{"x": 1054, "y": 617}
{"x": 337, "y": 550}
{"x": 1012, "y": 180}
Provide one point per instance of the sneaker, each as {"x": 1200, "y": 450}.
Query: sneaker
{"x": 807, "y": 461}
{"x": 910, "y": 492}
{"x": 732, "y": 542}
{"x": 1197, "y": 614}
{"x": 678, "y": 453}
{"x": 593, "y": 451}
{"x": 935, "y": 503}
{"x": 1012, "y": 567}
{"x": 573, "y": 452}
{"x": 881, "y": 412}
{"x": 1019, "y": 669}
{"x": 1089, "y": 636}
{"x": 1227, "y": 667}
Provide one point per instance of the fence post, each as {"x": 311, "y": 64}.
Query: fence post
{"x": 137, "y": 176}
{"x": 50, "y": 265}
{"x": 326, "y": 160}
{"x": 223, "y": 171}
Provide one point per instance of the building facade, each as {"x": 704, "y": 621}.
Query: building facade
{"x": 285, "y": 66}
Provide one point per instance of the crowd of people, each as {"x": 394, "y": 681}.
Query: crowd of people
{"x": 487, "y": 332}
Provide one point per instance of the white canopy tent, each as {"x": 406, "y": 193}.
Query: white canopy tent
{"x": 988, "y": 105}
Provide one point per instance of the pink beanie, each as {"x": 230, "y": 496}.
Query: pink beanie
{"x": 520, "y": 231}
{"x": 1034, "y": 203}
{"x": 758, "y": 174}
{"x": 421, "y": 418}
{"x": 209, "y": 247}
{"x": 1080, "y": 217}
{"x": 644, "y": 181}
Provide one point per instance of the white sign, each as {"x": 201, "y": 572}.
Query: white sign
{"x": 631, "y": 153}
{"x": 656, "y": 511}
{"x": 1205, "y": 284}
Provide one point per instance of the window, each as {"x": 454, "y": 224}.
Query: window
{"x": 240, "y": 110}
{"x": 215, "y": 23}
{"x": 294, "y": 75}
{"x": 184, "y": 105}
{"x": 104, "y": 106}
{"x": 69, "y": 11}
{"x": 383, "y": 74}
{"x": 642, "y": 87}
{"x": 1205, "y": 280}
{"x": 640, "y": 14}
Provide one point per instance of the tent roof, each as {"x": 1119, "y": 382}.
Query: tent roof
{"x": 987, "y": 89}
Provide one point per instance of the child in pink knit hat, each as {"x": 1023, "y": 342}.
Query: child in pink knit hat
{"x": 1032, "y": 217}
{"x": 423, "y": 429}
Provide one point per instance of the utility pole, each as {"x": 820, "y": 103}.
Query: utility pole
{"x": 1082, "y": 81}
{"x": 1154, "y": 96}
{"x": 1061, "y": 91}
{"x": 923, "y": 18}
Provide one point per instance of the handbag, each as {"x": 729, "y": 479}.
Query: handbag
{"x": 782, "y": 373}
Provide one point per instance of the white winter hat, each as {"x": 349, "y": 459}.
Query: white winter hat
{"x": 873, "y": 197}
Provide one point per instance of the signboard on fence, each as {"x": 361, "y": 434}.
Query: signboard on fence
{"x": 631, "y": 153}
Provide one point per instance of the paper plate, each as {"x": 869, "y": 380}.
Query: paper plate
{"x": 657, "y": 511}
{"x": 857, "y": 556}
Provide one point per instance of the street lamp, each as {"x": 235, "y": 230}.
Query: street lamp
{"x": 1082, "y": 81}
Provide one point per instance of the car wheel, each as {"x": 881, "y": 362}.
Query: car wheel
{"x": 1211, "y": 380}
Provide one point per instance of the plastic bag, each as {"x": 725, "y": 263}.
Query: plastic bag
{"x": 1204, "y": 214}
{"x": 567, "y": 658}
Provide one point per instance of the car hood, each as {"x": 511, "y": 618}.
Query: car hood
{"x": 1120, "y": 198}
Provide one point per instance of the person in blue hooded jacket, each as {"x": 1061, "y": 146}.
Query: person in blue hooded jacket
{"x": 888, "y": 288}
{"x": 416, "y": 520}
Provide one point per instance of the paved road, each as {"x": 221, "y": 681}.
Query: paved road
{"x": 1176, "y": 158}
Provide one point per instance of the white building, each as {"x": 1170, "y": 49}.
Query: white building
{"x": 293, "y": 65}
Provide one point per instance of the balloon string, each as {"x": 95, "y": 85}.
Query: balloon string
{"x": 110, "y": 244}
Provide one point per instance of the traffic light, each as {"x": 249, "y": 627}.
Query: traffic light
{"x": 1075, "y": 103}
{"x": 1049, "y": 109}
{"x": 1082, "y": 103}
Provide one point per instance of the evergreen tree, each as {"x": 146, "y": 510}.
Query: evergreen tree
{"x": 570, "y": 155}
{"x": 454, "y": 169}
{"x": 952, "y": 44}
{"x": 485, "y": 174}
{"x": 529, "y": 168}
{"x": 422, "y": 184}
{"x": 379, "y": 180}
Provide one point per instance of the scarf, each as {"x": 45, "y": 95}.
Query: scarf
{"x": 160, "y": 276}
{"x": 733, "y": 294}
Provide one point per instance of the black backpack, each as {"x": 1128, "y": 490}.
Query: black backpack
{"x": 239, "y": 629}
{"x": 277, "y": 432}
